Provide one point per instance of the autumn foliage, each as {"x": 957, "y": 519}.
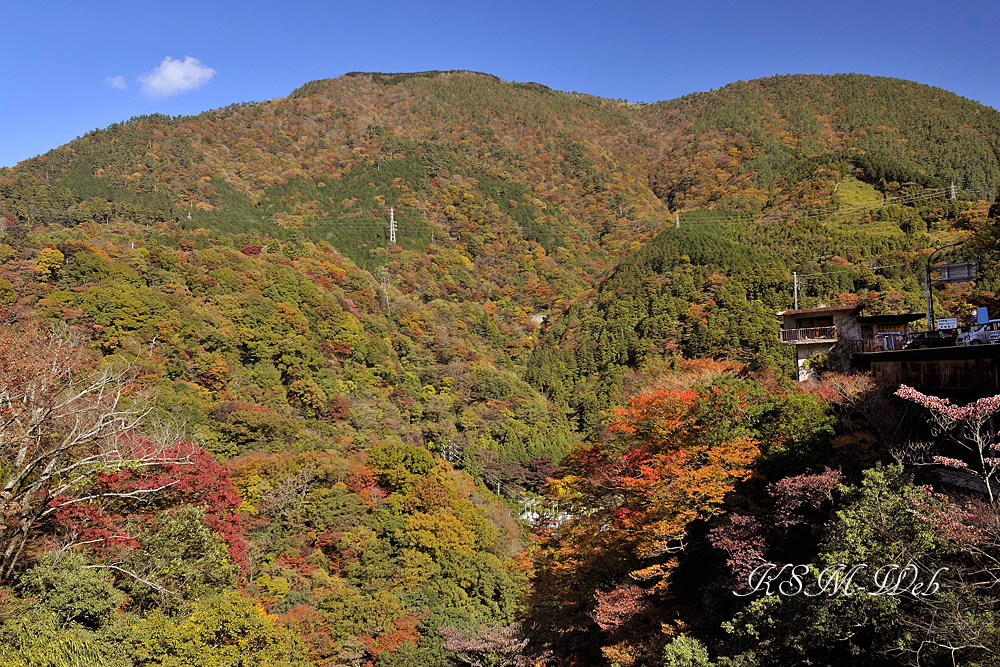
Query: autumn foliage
{"x": 276, "y": 416}
{"x": 671, "y": 474}
{"x": 623, "y": 508}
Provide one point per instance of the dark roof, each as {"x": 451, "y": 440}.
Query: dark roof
{"x": 891, "y": 319}
{"x": 813, "y": 311}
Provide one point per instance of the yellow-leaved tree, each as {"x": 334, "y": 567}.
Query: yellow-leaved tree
{"x": 50, "y": 261}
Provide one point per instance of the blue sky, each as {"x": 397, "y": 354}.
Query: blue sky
{"x": 59, "y": 60}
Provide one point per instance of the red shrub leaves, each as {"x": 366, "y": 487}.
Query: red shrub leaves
{"x": 743, "y": 541}
{"x": 619, "y": 606}
{"x": 136, "y": 494}
{"x": 793, "y": 494}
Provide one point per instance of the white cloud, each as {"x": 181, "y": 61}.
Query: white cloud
{"x": 175, "y": 76}
{"x": 116, "y": 82}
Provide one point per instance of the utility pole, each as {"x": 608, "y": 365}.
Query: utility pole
{"x": 795, "y": 289}
{"x": 392, "y": 225}
{"x": 953, "y": 189}
{"x": 927, "y": 291}
{"x": 677, "y": 220}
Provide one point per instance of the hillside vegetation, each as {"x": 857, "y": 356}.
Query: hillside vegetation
{"x": 369, "y": 426}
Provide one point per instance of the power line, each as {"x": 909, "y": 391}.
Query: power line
{"x": 854, "y": 209}
{"x": 865, "y": 207}
{"x": 924, "y": 196}
{"x": 709, "y": 216}
{"x": 855, "y": 270}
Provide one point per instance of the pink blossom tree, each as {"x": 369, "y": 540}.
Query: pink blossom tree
{"x": 966, "y": 426}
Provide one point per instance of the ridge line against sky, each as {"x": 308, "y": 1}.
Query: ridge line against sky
{"x": 71, "y": 68}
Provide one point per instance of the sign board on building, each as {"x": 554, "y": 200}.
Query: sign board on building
{"x": 961, "y": 272}
{"x": 947, "y": 323}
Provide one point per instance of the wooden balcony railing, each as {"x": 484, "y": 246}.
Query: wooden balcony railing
{"x": 810, "y": 335}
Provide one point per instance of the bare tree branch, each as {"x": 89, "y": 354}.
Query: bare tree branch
{"x": 152, "y": 584}
{"x": 66, "y": 415}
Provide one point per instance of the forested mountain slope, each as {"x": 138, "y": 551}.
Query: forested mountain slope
{"x": 777, "y": 130}
{"x": 515, "y": 206}
{"x": 380, "y": 405}
{"x": 318, "y": 157}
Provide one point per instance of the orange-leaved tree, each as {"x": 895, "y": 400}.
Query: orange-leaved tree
{"x": 670, "y": 475}
{"x": 623, "y": 507}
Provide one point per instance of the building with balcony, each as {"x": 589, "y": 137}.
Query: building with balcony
{"x": 839, "y": 332}
{"x": 816, "y": 331}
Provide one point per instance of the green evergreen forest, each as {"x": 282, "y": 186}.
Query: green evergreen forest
{"x": 436, "y": 369}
